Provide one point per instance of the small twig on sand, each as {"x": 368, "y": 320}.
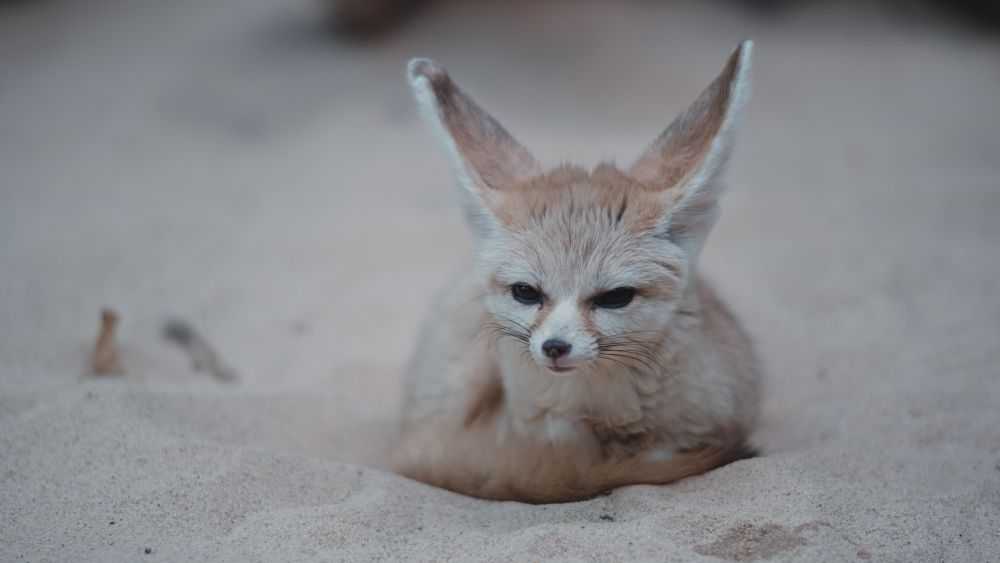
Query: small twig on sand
{"x": 105, "y": 359}
{"x": 203, "y": 356}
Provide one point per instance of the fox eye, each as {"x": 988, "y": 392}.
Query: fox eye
{"x": 615, "y": 299}
{"x": 524, "y": 293}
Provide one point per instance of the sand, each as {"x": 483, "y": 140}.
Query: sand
{"x": 227, "y": 164}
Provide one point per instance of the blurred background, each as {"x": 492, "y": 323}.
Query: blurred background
{"x": 256, "y": 167}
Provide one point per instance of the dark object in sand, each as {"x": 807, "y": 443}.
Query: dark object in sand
{"x": 203, "y": 356}
{"x": 105, "y": 359}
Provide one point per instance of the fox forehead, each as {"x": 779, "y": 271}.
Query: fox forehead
{"x": 571, "y": 192}
{"x": 571, "y": 233}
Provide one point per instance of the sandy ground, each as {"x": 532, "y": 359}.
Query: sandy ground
{"x": 226, "y": 163}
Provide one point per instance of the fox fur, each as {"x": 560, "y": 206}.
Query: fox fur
{"x": 663, "y": 387}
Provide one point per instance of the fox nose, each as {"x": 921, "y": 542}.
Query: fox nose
{"x": 555, "y": 348}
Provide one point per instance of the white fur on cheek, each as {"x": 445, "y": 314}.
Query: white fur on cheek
{"x": 509, "y": 312}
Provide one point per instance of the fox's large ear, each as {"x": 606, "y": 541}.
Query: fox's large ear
{"x": 485, "y": 157}
{"x": 686, "y": 161}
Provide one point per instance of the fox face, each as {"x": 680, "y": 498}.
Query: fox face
{"x": 577, "y": 271}
{"x": 586, "y": 268}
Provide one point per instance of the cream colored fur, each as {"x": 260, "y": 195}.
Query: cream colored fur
{"x": 660, "y": 389}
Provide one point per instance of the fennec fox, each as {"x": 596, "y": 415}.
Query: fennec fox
{"x": 582, "y": 352}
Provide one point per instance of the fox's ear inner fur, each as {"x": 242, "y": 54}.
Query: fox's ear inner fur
{"x": 687, "y": 160}
{"x": 486, "y": 158}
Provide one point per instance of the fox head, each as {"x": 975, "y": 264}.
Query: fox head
{"x": 585, "y": 267}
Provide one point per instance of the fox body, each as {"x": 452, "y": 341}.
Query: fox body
{"x": 582, "y": 352}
